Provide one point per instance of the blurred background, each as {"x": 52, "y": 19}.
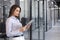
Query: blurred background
{"x": 45, "y": 13}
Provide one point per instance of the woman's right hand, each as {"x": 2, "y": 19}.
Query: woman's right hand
{"x": 22, "y": 29}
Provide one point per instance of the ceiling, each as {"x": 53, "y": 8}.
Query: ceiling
{"x": 2, "y": 2}
{"x": 57, "y": 0}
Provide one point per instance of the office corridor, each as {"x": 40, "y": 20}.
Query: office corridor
{"x": 54, "y": 33}
{"x": 45, "y": 13}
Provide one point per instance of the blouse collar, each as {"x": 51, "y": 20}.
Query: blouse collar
{"x": 13, "y": 17}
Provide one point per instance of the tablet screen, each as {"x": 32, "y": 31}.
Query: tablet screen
{"x": 30, "y": 22}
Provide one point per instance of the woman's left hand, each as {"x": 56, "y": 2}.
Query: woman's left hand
{"x": 28, "y": 26}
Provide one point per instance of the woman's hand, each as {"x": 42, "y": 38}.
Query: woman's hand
{"x": 22, "y": 29}
{"x": 26, "y": 27}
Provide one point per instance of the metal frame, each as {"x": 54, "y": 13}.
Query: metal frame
{"x": 43, "y": 22}
{"x": 3, "y": 22}
{"x": 58, "y": 11}
{"x": 38, "y": 22}
{"x": 54, "y": 15}
{"x": 46, "y": 15}
{"x": 30, "y": 19}
{"x": 51, "y": 16}
{"x": 17, "y": 2}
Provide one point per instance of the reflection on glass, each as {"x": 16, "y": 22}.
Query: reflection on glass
{"x": 37, "y": 14}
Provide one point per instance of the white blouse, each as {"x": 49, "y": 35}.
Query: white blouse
{"x": 12, "y": 27}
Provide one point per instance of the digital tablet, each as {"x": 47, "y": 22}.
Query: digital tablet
{"x": 30, "y": 22}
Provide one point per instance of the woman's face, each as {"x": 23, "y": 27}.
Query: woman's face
{"x": 16, "y": 12}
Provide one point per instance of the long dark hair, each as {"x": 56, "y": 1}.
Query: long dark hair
{"x": 12, "y": 9}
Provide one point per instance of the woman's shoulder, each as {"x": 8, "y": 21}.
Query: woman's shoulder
{"x": 9, "y": 19}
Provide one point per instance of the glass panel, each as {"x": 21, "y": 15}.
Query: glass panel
{"x": 56, "y": 14}
{"x": 45, "y": 13}
{"x": 41, "y": 18}
{"x": 59, "y": 14}
{"x": 4, "y": 12}
{"x": 1, "y": 17}
{"x": 37, "y": 15}
{"x": 7, "y": 6}
{"x": 49, "y": 15}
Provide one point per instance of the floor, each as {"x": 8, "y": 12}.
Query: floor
{"x": 54, "y": 33}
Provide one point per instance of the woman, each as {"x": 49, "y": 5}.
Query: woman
{"x": 14, "y": 29}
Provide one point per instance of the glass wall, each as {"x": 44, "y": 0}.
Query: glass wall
{"x": 4, "y": 12}
{"x": 1, "y": 14}
{"x": 56, "y": 13}
{"x": 38, "y": 27}
{"x": 49, "y": 15}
